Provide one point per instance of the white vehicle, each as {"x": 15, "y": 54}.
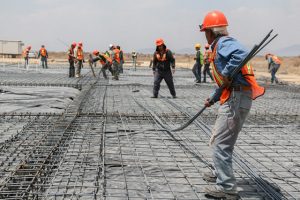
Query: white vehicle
{"x": 32, "y": 54}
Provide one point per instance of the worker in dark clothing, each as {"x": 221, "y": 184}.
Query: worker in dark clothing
{"x": 43, "y": 53}
{"x": 198, "y": 64}
{"x": 163, "y": 60}
{"x": 121, "y": 60}
{"x": 71, "y": 58}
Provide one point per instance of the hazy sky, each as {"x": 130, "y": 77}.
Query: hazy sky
{"x": 135, "y": 24}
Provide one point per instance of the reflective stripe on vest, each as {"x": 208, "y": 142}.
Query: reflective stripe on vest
{"x": 248, "y": 74}
{"x": 79, "y": 54}
{"x": 163, "y": 57}
{"x": 207, "y": 56}
{"x": 43, "y": 52}
{"x": 276, "y": 60}
{"x": 117, "y": 55}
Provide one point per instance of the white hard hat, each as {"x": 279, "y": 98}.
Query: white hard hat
{"x": 111, "y": 45}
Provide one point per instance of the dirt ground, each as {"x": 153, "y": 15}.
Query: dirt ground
{"x": 289, "y": 71}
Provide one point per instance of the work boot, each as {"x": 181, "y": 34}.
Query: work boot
{"x": 174, "y": 96}
{"x": 212, "y": 191}
{"x": 154, "y": 96}
{"x": 209, "y": 177}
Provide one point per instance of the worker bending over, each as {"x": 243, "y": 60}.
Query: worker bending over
{"x": 105, "y": 61}
{"x": 43, "y": 53}
{"x": 273, "y": 65}
{"x": 235, "y": 99}
{"x": 163, "y": 60}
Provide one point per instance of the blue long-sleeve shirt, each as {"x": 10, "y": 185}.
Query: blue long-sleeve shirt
{"x": 230, "y": 53}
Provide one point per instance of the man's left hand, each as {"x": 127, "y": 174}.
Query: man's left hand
{"x": 227, "y": 82}
{"x": 173, "y": 71}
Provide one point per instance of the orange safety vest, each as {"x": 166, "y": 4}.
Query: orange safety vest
{"x": 117, "y": 55}
{"x": 25, "y": 53}
{"x": 248, "y": 74}
{"x": 79, "y": 55}
{"x": 43, "y": 52}
{"x": 207, "y": 56}
{"x": 107, "y": 58}
{"x": 163, "y": 57}
{"x": 276, "y": 60}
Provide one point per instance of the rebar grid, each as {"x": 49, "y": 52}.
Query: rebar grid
{"x": 100, "y": 150}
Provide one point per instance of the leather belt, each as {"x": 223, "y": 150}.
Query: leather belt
{"x": 240, "y": 88}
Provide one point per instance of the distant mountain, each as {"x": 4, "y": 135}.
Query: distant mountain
{"x": 293, "y": 50}
{"x": 146, "y": 51}
{"x": 185, "y": 51}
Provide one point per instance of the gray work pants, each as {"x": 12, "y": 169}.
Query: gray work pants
{"x": 78, "y": 68}
{"x": 207, "y": 71}
{"x": 231, "y": 117}
{"x": 105, "y": 67}
{"x": 115, "y": 67}
{"x": 197, "y": 71}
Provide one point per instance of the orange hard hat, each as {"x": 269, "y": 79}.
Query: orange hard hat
{"x": 29, "y": 47}
{"x": 206, "y": 46}
{"x": 80, "y": 44}
{"x": 95, "y": 52}
{"x": 213, "y": 19}
{"x": 159, "y": 42}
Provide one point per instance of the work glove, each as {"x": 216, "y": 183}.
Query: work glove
{"x": 173, "y": 71}
{"x": 207, "y": 103}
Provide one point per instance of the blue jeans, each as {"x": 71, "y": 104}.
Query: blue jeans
{"x": 274, "y": 68}
{"x": 231, "y": 117}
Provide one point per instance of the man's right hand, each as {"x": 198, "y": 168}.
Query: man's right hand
{"x": 207, "y": 103}
{"x": 153, "y": 73}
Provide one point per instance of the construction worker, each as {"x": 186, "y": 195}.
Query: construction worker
{"x": 105, "y": 61}
{"x": 134, "y": 58}
{"x": 121, "y": 59}
{"x": 115, "y": 57}
{"x": 207, "y": 61}
{"x": 26, "y": 56}
{"x": 79, "y": 59}
{"x": 71, "y": 59}
{"x": 43, "y": 53}
{"x": 163, "y": 60}
{"x": 235, "y": 99}
{"x": 273, "y": 65}
{"x": 198, "y": 64}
